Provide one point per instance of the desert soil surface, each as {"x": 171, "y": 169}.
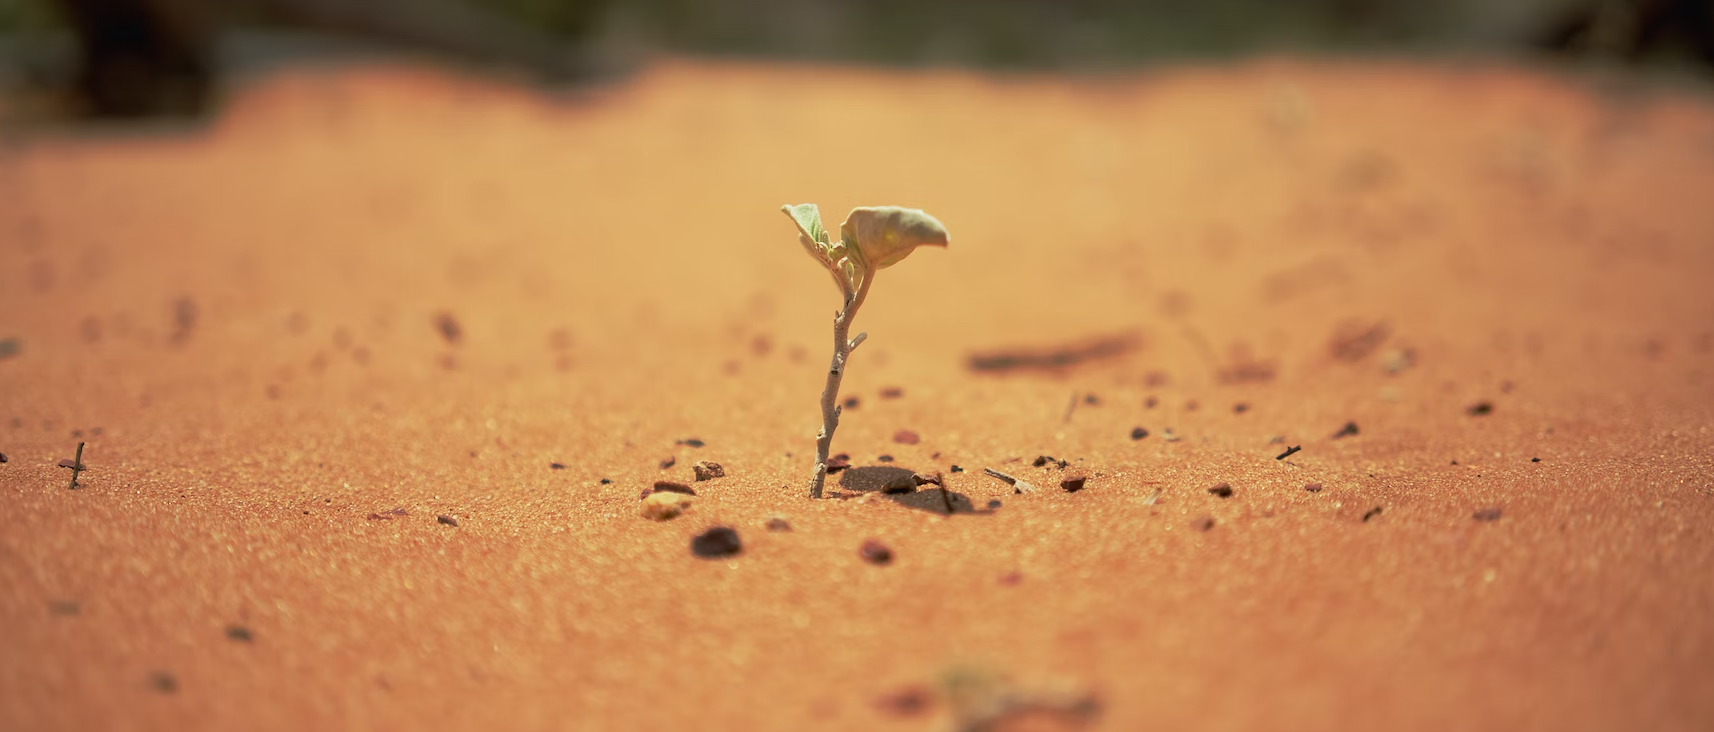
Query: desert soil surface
{"x": 1477, "y": 297}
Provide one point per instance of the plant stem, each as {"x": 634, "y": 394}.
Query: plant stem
{"x": 830, "y": 408}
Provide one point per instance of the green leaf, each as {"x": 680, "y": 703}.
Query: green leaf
{"x": 844, "y": 263}
{"x": 808, "y": 219}
{"x": 885, "y": 235}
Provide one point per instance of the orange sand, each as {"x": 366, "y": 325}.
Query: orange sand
{"x": 622, "y": 278}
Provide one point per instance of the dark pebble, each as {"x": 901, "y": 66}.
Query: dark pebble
{"x": 557, "y": 466}
{"x": 607, "y": 481}
{"x": 1138, "y": 433}
{"x": 2, "y": 457}
{"x": 778, "y": 524}
{"x": 1348, "y": 430}
{"x": 892, "y": 392}
{"x": 669, "y": 462}
{"x": 1371, "y": 513}
{"x": 1313, "y": 487}
{"x": 693, "y": 442}
{"x": 1151, "y": 403}
{"x": 239, "y": 634}
{"x": 933, "y": 479}
{"x": 1074, "y": 484}
{"x": 720, "y": 541}
{"x": 906, "y": 437}
{"x": 1533, "y": 460}
{"x": 448, "y": 327}
{"x": 1491, "y": 513}
{"x": 1203, "y": 524}
{"x": 1223, "y": 490}
{"x": 874, "y": 552}
{"x": 448, "y": 520}
{"x": 671, "y": 487}
{"x": 1240, "y": 408}
{"x": 957, "y": 469}
{"x": 851, "y": 402}
{"x": 163, "y": 682}
{"x": 1092, "y": 400}
{"x": 994, "y": 503}
{"x": 884, "y": 458}
{"x": 1480, "y": 409}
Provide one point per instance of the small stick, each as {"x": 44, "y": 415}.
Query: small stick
{"x": 830, "y": 408}
{"x": 76, "y": 466}
{"x": 1072, "y": 407}
{"x": 1018, "y": 485}
{"x": 1289, "y": 452}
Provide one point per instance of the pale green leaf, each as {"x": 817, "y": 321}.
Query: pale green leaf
{"x": 885, "y": 235}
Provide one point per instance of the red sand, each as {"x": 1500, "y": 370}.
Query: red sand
{"x": 622, "y": 278}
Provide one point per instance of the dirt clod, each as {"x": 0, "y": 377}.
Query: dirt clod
{"x": 1480, "y": 409}
{"x": 1313, "y": 487}
{"x": 892, "y": 392}
{"x": 874, "y": 552}
{"x": 1350, "y": 429}
{"x": 163, "y": 683}
{"x": 447, "y": 519}
{"x": 669, "y": 462}
{"x": 556, "y": 466}
{"x": 778, "y": 523}
{"x": 706, "y": 470}
{"x": 448, "y": 328}
{"x": 1138, "y": 433}
{"x": 906, "y": 437}
{"x": 664, "y": 506}
{"x": 1223, "y": 490}
{"x": 838, "y": 462}
{"x": 1073, "y": 484}
{"x": 239, "y": 634}
{"x": 668, "y": 486}
{"x": 715, "y": 543}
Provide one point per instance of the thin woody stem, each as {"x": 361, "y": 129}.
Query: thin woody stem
{"x": 830, "y": 408}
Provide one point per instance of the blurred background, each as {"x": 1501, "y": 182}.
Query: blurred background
{"x": 153, "y": 57}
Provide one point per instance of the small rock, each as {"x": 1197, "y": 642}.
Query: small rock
{"x": 957, "y": 469}
{"x": 900, "y": 484}
{"x": 1349, "y": 430}
{"x": 1491, "y": 513}
{"x": 1073, "y": 484}
{"x": 874, "y": 552}
{"x": 239, "y": 634}
{"x": 692, "y": 442}
{"x": 838, "y": 462}
{"x": 933, "y": 479}
{"x": 556, "y": 466}
{"x": 1480, "y": 409}
{"x": 1533, "y": 459}
{"x": 994, "y": 504}
{"x": 448, "y": 520}
{"x": 715, "y": 543}
{"x": 1240, "y": 408}
{"x": 607, "y": 481}
{"x": 778, "y": 523}
{"x": 1151, "y": 402}
{"x": 665, "y": 506}
{"x": 1313, "y": 487}
{"x": 10, "y": 347}
{"x": 1223, "y": 490}
{"x": 884, "y": 458}
{"x": 906, "y": 437}
{"x": 669, "y": 462}
{"x": 892, "y": 392}
{"x": 163, "y": 682}
{"x": 1203, "y": 523}
{"x": 851, "y": 403}
{"x": 2, "y": 457}
{"x": 1138, "y": 433}
{"x": 448, "y": 327}
{"x": 706, "y": 470}
{"x": 671, "y": 487}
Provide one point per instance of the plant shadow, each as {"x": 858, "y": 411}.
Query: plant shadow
{"x": 899, "y": 485}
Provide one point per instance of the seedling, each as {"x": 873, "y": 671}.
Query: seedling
{"x": 871, "y": 239}
{"x": 75, "y": 464}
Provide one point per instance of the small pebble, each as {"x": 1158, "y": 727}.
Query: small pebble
{"x": 1533, "y": 460}
{"x": 2, "y": 457}
{"x": 163, "y": 682}
{"x": 1223, "y": 490}
{"x": 1073, "y": 484}
{"x": 1313, "y": 487}
{"x": 1491, "y": 513}
{"x": 63, "y": 608}
{"x": 1138, "y": 433}
{"x": 884, "y": 458}
{"x": 838, "y": 462}
{"x": 671, "y": 487}
{"x": 933, "y": 479}
{"x": 693, "y": 442}
{"x": 851, "y": 402}
{"x": 669, "y": 462}
{"x": 874, "y": 552}
{"x": 907, "y": 702}
{"x": 664, "y": 506}
{"x": 906, "y": 437}
{"x": 239, "y": 634}
{"x": 957, "y": 469}
{"x": 994, "y": 503}
{"x": 706, "y": 470}
{"x": 1151, "y": 403}
{"x": 715, "y": 543}
{"x": 1480, "y": 409}
{"x": 607, "y": 481}
{"x": 778, "y": 523}
{"x": 556, "y": 466}
{"x": 1349, "y": 430}
{"x": 448, "y": 520}
{"x": 1240, "y": 408}
{"x": 892, "y": 392}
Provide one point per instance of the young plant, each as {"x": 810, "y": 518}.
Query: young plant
{"x": 872, "y": 238}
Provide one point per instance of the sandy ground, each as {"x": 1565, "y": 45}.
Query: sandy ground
{"x": 386, "y": 288}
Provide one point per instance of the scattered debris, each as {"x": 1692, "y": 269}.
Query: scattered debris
{"x": 1052, "y": 358}
{"x": 1138, "y": 433}
{"x": 778, "y": 523}
{"x": 892, "y": 392}
{"x": 1491, "y": 513}
{"x": 389, "y": 514}
{"x": 1348, "y": 430}
{"x": 1371, "y": 513}
{"x": 692, "y": 442}
{"x": 163, "y": 682}
{"x": 909, "y": 701}
{"x": 906, "y": 437}
{"x": 874, "y": 552}
{"x": 1352, "y": 341}
{"x": 664, "y": 506}
{"x": 1073, "y": 484}
{"x": 669, "y": 462}
{"x": 1017, "y": 485}
{"x": 75, "y": 465}
{"x": 1312, "y": 487}
{"x": 1240, "y": 408}
{"x": 1397, "y": 360}
{"x": 556, "y": 466}
{"x": 1203, "y": 523}
{"x": 1170, "y": 436}
{"x": 667, "y": 486}
{"x": 239, "y": 634}
{"x": 64, "y": 608}
{"x": 447, "y": 519}
{"x": 1223, "y": 490}
{"x": 838, "y": 462}
{"x": 715, "y": 543}
{"x": 706, "y": 470}
{"x": 1480, "y": 409}
{"x": 448, "y": 327}
{"x": 1290, "y": 451}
